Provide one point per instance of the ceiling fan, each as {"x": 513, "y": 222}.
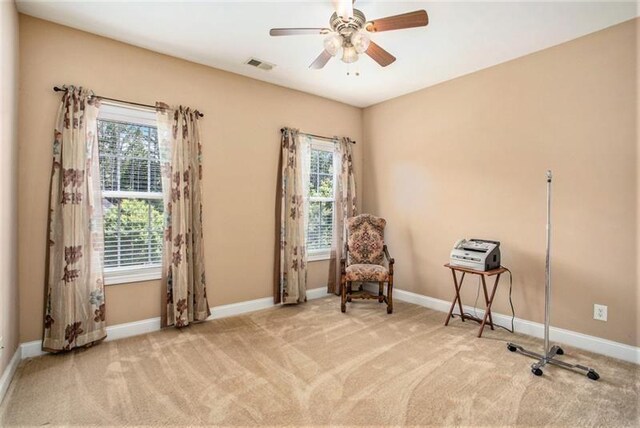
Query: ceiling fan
{"x": 349, "y": 31}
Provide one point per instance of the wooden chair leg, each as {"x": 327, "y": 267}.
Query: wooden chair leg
{"x": 380, "y": 292}
{"x": 390, "y": 295}
{"x": 349, "y": 291}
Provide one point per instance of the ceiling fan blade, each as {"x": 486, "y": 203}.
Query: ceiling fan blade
{"x": 297, "y": 31}
{"x": 344, "y": 8}
{"x": 419, "y": 18}
{"x": 379, "y": 55}
{"x": 321, "y": 61}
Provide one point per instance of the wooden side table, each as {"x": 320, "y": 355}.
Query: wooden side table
{"x": 487, "y": 298}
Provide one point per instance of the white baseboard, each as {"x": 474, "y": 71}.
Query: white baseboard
{"x": 31, "y": 349}
{"x": 559, "y": 335}
{"x": 257, "y": 304}
{"x": 567, "y": 337}
{"x": 571, "y": 338}
{"x": 8, "y": 373}
{"x": 317, "y": 293}
{"x": 135, "y": 328}
{"x": 120, "y": 331}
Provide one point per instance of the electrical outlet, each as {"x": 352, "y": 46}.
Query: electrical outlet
{"x": 599, "y": 312}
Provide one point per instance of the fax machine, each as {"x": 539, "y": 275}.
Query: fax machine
{"x": 477, "y": 254}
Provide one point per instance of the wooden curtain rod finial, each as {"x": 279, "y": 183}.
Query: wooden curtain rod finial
{"x": 63, "y": 89}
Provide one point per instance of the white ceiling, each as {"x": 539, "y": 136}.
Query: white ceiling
{"x": 462, "y": 37}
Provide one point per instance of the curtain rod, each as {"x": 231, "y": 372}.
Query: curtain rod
{"x": 320, "y": 137}
{"x": 58, "y": 89}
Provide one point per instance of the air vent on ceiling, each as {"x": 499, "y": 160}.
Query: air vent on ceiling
{"x": 262, "y": 65}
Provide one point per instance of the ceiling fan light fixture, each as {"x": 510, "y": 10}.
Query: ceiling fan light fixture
{"x": 349, "y": 54}
{"x": 332, "y": 44}
{"x": 360, "y": 41}
{"x": 348, "y": 34}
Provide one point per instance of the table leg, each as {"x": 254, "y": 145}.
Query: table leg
{"x": 457, "y": 298}
{"x": 486, "y": 301}
{"x": 488, "y": 312}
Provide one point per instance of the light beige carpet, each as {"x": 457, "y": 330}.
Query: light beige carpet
{"x": 312, "y": 365}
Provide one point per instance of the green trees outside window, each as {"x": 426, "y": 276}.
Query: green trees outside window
{"x": 132, "y": 193}
{"x": 321, "y": 200}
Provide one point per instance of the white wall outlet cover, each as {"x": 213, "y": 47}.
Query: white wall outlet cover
{"x": 599, "y": 312}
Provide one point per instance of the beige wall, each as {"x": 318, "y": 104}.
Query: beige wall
{"x": 467, "y": 158}
{"x": 8, "y": 180}
{"x": 241, "y": 132}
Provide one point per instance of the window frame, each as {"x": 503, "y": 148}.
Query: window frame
{"x": 326, "y": 146}
{"x": 118, "y": 112}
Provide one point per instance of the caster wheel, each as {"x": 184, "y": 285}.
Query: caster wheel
{"x": 511, "y": 348}
{"x": 560, "y": 351}
{"x": 389, "y": 310}
{"x": 536, "y": 371}
{"x": 593, "y": 375}
{"x": 343, "y": 308}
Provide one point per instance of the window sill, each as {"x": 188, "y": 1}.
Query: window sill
{"x": 316, "y": 256}
{"x": 134, "y": 274}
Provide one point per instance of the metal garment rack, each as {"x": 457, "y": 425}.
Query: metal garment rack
{"x": 550, "y": 352}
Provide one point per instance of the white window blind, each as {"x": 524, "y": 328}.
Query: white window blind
{"x": 321, "y": 200}
{"x": 131, "y": 190}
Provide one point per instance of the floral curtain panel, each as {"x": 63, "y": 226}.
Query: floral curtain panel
{"x": 345, "y": 208}
{"x": 290, "y": 278}
{"x": 184, "y": 282}
{"x": 75, "y": 305}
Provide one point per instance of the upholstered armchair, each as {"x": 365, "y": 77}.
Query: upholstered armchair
{"x": 364, "y": 256}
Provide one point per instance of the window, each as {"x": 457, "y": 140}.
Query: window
{"x": 132, "y": 194}
{"x": 321, "y": 200}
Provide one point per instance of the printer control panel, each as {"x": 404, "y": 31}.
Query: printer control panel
{"x": 482, "y": 247}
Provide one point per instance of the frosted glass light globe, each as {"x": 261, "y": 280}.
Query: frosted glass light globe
{"x": 360, "y": 41}
{"x": 332, "y": 44}
{"x": 349, "y": 54}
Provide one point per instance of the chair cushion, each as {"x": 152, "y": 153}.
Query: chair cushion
{"x": 366, "y": 272}
{"x": 365, "y": 237}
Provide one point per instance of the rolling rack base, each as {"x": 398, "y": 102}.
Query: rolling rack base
{"x": 550, "y": 358}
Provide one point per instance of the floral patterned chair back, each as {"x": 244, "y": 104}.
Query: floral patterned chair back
{"x": 365, "y": 238}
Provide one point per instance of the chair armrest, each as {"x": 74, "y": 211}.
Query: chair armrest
{"x": 343, "y": 259}
{"x": 390, "y": 259}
